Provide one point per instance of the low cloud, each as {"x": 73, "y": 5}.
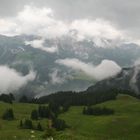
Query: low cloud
{"x": 56, "y": 78}
{"x": 8, "y": 27}
{"x": 39, "y": 44}
{"x": 105, "y": 69}
{"x": 11, "y": 80}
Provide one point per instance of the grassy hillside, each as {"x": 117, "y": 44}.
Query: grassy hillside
{"x": 9, "y": 129}
{"x": 123, "y": 125}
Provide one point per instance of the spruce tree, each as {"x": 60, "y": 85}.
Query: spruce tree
{"x": 28, "y": 124}
{"x": 21, "y": 124}
{"x": 39, "y": 127}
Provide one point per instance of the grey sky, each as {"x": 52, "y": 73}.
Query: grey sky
{"x": 122, "y": 13}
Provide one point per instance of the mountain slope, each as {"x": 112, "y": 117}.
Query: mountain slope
{"x": 123, "y": 124}
{"x": 126, "y": 81}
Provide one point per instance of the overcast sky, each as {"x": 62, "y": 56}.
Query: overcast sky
{"x": 123, "y": 14}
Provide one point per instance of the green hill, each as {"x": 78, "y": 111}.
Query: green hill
{"x": 123, "y": 125}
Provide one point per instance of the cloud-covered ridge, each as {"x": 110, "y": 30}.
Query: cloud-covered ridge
{"x": 42, "y": 22}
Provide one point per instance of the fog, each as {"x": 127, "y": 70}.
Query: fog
{"x": 11, "y": 80}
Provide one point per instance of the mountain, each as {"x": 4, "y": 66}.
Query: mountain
{"x": 52, "y": 77}
{"x": 127, "y": 81}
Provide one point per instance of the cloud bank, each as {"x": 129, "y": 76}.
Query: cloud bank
{"x": 99, "y": 31}
{"x": 33, "y": 21}
{"x": 105, "y": 69}
{"x": 11, "y": 80}
{"x": 42, "y": 22}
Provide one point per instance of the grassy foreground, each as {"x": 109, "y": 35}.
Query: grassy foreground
{"x": 123, "y": 125}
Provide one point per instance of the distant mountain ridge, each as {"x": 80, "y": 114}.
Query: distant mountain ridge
{"x": 16, "y": 54}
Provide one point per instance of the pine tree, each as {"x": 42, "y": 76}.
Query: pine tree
{"x": 39, "y": 127}
{"x": 21, "y": 124}
{"x": 59, "y": 124}
{"x": 84, "y": 110}
{"x": 28, "y": 124}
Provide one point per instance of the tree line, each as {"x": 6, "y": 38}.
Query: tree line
{"x": 7, "y": 98}
{"x": 97, "y": 111}
{"x": 71, "y": 98}
{"x": 28, "y": 124}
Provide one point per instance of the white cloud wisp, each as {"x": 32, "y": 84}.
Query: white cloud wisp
{"x": 105, "y": 69}
{"x": 11, "y": 80}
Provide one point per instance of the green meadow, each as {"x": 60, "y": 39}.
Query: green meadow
{"x": 123, "y": 125}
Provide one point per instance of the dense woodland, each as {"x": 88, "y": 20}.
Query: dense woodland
{"x": 77, "y": 98}
{"x": 70, "y": 98}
